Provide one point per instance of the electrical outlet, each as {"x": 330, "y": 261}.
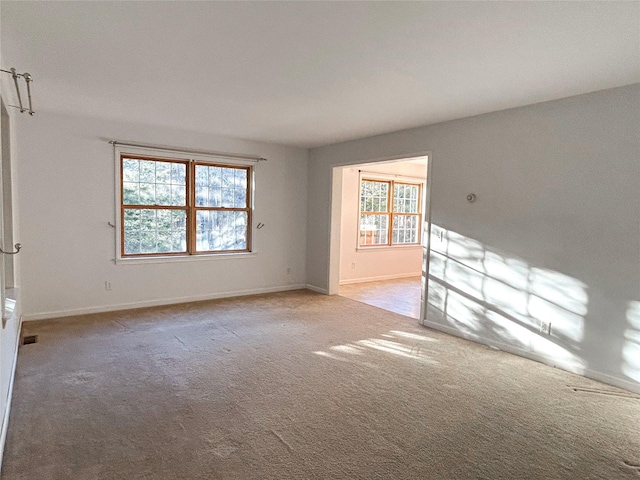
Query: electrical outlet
{"x": 545, "y": 327}
{"x": 108, "y": 286}
{"x": 353, "y": 265}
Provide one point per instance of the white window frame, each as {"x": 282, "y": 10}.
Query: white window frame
{"x": 161, "y": 154}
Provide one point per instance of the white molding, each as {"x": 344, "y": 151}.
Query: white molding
{"x": 7, "y": 411}
{"x": 185, "y": 258}
{"x": 313, "y": 288}
{"x": 384, "y": 248}
{"x": 550, "y": 361}
{"x": 381, "y": 277}
{"x": 158, "y": 303}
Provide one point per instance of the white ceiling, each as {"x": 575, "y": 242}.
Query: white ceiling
{"x": 314, "y": 73}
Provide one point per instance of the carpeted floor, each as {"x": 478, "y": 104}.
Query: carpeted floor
{"x": 298, "y": 385}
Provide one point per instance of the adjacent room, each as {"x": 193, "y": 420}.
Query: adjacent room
{"x": 320, "y": 240}
{"x": 381, "y": 240}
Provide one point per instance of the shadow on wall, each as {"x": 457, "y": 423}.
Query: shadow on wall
{"x": 487, "y": 295}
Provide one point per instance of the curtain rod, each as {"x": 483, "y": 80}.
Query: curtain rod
{"x": 396, "y": 175}
{"x": 189, "y": 150}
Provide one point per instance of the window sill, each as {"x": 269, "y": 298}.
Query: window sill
{"x": 377, "y": 248}
{"x": 185, "y": 258}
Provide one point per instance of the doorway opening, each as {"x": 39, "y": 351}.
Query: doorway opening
{"x": 380, "y": 220}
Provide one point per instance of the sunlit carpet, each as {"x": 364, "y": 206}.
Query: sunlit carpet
{"x": 298, "y": 385}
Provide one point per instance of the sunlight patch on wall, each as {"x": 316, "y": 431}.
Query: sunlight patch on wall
{"x": 488, "y": 294}
{"x": 9, "y": 307}
{"x": 631, "y": 348}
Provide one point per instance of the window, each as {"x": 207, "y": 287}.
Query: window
{"x": 390, "y": 213}
{"x": 183, "y": 207}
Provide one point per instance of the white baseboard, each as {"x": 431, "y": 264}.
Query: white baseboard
{"x": 157, "y": 303}
{"x": 313, "y": 288}
{"x": 7, "y": 411}
{"x": 552, "y": 362}
{"x": 378, "y": 278}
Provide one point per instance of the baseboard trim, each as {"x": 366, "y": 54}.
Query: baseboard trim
{"x": 379, "y": 278}
{"x": 313, "y": 288}
{"x": 552, "y": 362}
{"x": 158, "y": 303}
{"x": 7, "y": 411}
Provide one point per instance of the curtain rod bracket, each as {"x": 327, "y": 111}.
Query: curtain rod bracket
{"x": 28, "y": 78}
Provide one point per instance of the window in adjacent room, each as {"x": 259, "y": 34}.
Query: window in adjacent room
{"x": 390, "y": 213}
{"x": 183, "y": 207}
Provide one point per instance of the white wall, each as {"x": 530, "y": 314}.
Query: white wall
{"x": 554, "y": 233}
{"x": 374, "y": 263}
{"x": 66, "y": 195}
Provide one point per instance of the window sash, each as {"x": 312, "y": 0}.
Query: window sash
{"x": 190, "y": 227}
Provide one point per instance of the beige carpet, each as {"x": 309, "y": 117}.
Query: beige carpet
{"x": 301, "y": 386}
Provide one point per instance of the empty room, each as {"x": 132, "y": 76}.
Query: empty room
{"x": 320, "y": 240}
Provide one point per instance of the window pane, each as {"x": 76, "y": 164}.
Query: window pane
{"x": 221, "y": 186}
{"x": 373, "y": 196}
{"x": 178, "y": 195}
{"x": 147, "y": 171}
{"x": 131, "y": 220}
{"x": 405, "y": 229}
{"x": 154, "y": 230}
{"x": 405, "y": 198}
{"x": 131, "y": 170}
{"x": 132, "y": 242}
{"x": 163, "y": 173}
{"x": 178, "y": 174}
{"x": 202, "y": 196}
{"x": 149, "y": 182}
{"x": 374, "y": 229}
{"x": 131, "y": 193}
{"x": 221, "y": 231}
{"x": 163, "y": 194}
{"x": 147, "y": 193}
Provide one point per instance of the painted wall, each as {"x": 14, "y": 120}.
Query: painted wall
{"x": 66, "y": 195}
{"x": 554, "y": 234}
{"x": 374, "y": 263}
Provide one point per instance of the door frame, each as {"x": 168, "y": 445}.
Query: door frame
{"x": 335, "y": 223}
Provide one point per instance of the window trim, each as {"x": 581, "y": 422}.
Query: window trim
{"x": 190, "y": 160}
{"x": 391, "y": 180}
